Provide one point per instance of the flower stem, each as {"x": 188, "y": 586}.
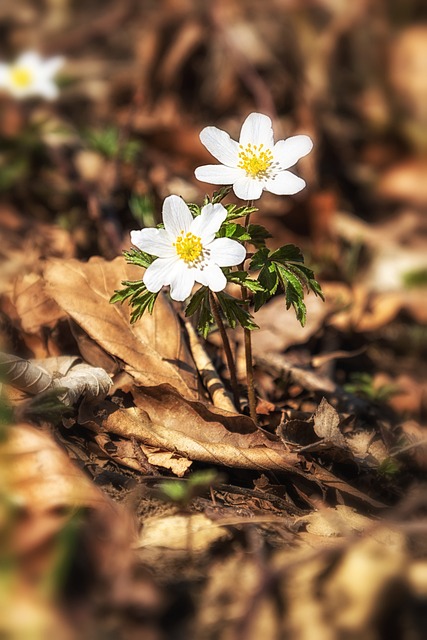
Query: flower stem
{"x": 227, "y": 348}
{"x": 248, "y": 351}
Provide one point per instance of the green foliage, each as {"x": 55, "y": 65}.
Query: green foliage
{"x": 234, "y": 231}
{"x": 182, "y": 492}
{"x": 199, "y": 303}
{"x": 284, "y": 267}
{"x": 138, "y": 257}
{"x": 234, "y": 212}
{"x": 389, "y": 468}
{"x": 108, "y": 143}
{"x": 142, "y": 209}
{"x": 241, "y": 278}
{"x": 138, "y": 296}
{"x": 235, "y": 311}
{"x": 217, "y": 196}
{"x": 362, "y": 384}
{"x": 416, "y": 278}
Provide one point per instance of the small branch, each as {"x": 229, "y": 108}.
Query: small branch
{"x": 229, "y": 356}
{"x": 220, "y": 396}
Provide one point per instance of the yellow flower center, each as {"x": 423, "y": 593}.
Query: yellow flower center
{"x": 21, "y": 77}
{"x": 255, "y": 160}
{"x": 188, "y": 247}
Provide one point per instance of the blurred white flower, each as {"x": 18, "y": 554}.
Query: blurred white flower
{"x": 255, "y": 163}
{"x": 187, "y": 249}
{"x": 30, "y": 76}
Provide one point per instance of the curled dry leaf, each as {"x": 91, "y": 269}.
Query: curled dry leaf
{"x": 153, "y": 350}
{"x": 80, "y": 380}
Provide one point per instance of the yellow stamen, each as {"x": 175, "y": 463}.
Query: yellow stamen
{"x": 255, "y": 160}
{"x": 188, "y": 247}
{"x": 21, "y": 78}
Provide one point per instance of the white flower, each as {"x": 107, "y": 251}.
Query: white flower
{"x": 187, "y": 249}
{"x": 254, "y": 163}
{"x": 30, "y": 76}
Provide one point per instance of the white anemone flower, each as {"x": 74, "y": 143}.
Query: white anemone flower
{"x": 30, "y": 76}
{"x": 187, "y": 249}
{"x": 255, "y": 163}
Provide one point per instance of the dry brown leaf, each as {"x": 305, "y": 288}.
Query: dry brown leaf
{"x": 326, "y": 421}
{"x": 279, "y": 328}
{"x": 34, "y": 307}
{"x": 194, "y": 431}
{"x": 189, "y": 533}
{"x": 153, "y": 349}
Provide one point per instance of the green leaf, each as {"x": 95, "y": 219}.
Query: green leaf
{"x": 194, "y": 208}
{"x": 242, "y": 278}
{"x": 138, "y": 257}
{"x": 287, "y": 253}
{"x": 234, "y": 212}
{"x": 258, "y": 235}
{"x": 199, "y": 303}
{"x": 217, "y": 196}
{"x": 259, "y": 258}
{"x": 234, "y": 231}
{"x": 235, "y": 311}
{"x": 140, "y": 299}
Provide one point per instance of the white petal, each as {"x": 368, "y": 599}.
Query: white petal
{"x": 226, "y": 252}
{"x": 177, "y": 217}
{"x": 208, "y": 222}
{"x": 45, "y": 88}
{"x": 220, "y": 145}
{"x": 30, "y": 60}
{"x": 4, "y": 74}
{"x": 212, "y": 277}
{"x": 160, "y": 273}
{"x": 257, "y": 129}
{"x": 248, "y": 188}
{"x": 52, "y": 66}
{"x": 153, "y": 241}
{"x": 182, "y": 281}
{"x": 218, "y": 174}
{"x": 288, "y": 152}
{"x": 285, "y": 183}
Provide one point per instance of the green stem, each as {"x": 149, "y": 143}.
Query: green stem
{"x": 248, "y": 350}
{"x": 227, "y": 348}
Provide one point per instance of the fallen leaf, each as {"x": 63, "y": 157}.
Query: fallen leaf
{"x": 153, "y": 350}
{"x": 326, "y": 421}
{"x": 181, "y": 532}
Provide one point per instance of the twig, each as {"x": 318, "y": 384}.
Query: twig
{"x": 228, "y": 354}
{"x": 220, "y": 396}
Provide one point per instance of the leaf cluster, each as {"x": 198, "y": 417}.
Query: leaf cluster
{"x": 284, "y": 268}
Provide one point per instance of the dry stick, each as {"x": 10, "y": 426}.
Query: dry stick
{"x": 210, "y": 378}
{"x": 230, "y": 360}
{"x": 248, "y": 352}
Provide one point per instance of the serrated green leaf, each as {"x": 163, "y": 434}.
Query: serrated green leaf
{"x": 258, "y": 235}
{"x": 234, "y": 231}
{"x": 242, "y": 278}
{"x": 259, "y": 259}
{"x": 194, "y": 208}
{"x": 199, "y": 303}
{"x": 217, "y": 196}
{"x": 287, "y": 253}
{"x": 235, "y": 312}
{"x": 138, "y": 257}
{"x": 234, "y": 212}
{"x": 290, "y": 279}
{"x": 140, "y": 299}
